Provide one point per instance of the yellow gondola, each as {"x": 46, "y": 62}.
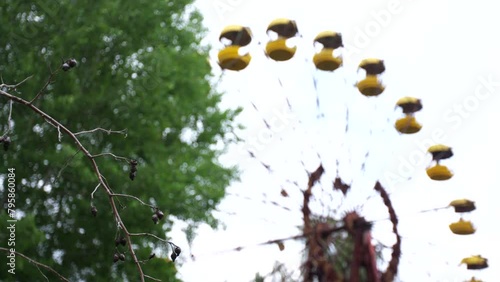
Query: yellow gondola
{"x": 370, "y": 86}
{"x": 439, "y": 172}
{"x": 278, "y": 49}
{"x": 463, "y": 205}
{"x": 408, "y": 125}
{"x": 285, "y": 28}
{"x": 440, "y": 152}
{"x": 475, "y": 262}
{"x": 237, "y": 34}
{"x": 372, "y": 66}
{"x": 230, "y": 57}
{"x": 462, "y": 227}
{"x": 325, "y": 59}
{"x": 409, "y": 105}
{"x": 329, "y": 39}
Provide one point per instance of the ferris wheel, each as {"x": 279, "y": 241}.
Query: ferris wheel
{"x": 323, "y": 197}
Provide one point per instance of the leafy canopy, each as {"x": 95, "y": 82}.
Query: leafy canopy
{"x": 141, "y": 67}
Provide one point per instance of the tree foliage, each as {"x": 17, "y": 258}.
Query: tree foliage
{"x": 141, "y": 67}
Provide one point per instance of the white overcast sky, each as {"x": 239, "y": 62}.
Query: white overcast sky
{"x": 443, "y": 52}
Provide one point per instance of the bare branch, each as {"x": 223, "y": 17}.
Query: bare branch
{"x": 47, "y": 83}
{"x": 113, "y": 155}
{"x": 59, "y": 134}
{"x": 9, "y": 118}
{"x": 108, "y": 131}
{"x": 62, "y": 128}
{"x": 92, "y": 194}
{"x": 36, "y": 263}
{"x": 151, "y": 235}
{"x": 66, "y": 164}
{"x": 149, "y": 277}
{"x": 107, "y": 184}
{"x": 14, "y": 86}
{"x": 10, "y": 115}
{"x": 50, "y": 122}
{"x": 44, "y": 276}
{"x": 133, "y": 197}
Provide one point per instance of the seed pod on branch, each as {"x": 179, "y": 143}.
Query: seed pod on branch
{"x": 155, "y": 218}
{"x": 68, "y": 64}
{"x": 6, "y": 142}
{"x": 132, "y": 175}
{"x": 173, "y": 256}
{"x": 65, "y": 67}
{"x": 93, "y": 210}
{"x": 133, "y": 169}
{"x": 120, "y": 241}
{"x": 160, "y": 214}
{"x": 177, "y": 250}
{"x": 71, "y": 63}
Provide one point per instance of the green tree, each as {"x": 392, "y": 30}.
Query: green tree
{"x": 141, "y": 66}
